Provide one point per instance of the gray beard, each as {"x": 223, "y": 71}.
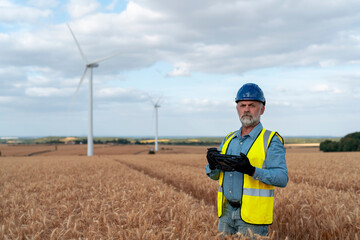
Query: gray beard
{"x": 249, "y": 121}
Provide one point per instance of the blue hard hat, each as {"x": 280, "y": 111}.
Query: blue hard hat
{"x": 250, "y": 92}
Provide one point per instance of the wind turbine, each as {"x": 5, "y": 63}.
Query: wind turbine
{"x": 88, "y": 66}
{"x": 156, "y": 106}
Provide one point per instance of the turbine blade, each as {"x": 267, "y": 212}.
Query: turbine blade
{"x": 77, "y": 89}
{"x": 151, "y": 100}
{"x": 158, "y": 101}
{"x": 77, "y": 44}
{"x": 105, "y": 58}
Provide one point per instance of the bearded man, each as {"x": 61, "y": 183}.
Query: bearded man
{"x": 246, "y": 193}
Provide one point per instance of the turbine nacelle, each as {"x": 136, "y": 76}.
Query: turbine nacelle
{"x": 92, "y": 65}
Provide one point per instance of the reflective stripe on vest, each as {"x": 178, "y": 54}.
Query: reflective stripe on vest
{"x": 258, "y": 192}
{"x": 258, "y": 198}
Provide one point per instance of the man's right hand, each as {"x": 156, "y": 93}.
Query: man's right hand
{"x": 210, "y": 158}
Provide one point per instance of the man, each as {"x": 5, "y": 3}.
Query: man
{"x": 246, "y": 194}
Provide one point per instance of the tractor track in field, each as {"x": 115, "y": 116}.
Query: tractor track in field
{"x": 40, "y": 152}
{"x": 177, "y": 185}
{"x": 139, "y": 152}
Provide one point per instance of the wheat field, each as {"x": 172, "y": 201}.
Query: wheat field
{"x": 129, "y": 194}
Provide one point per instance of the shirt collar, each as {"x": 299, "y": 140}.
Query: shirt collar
{"x": 253, "y": 134}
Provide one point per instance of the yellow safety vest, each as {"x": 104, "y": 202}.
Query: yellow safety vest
{"x": 257, "y": 202}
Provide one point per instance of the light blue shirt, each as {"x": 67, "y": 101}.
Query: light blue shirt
{"x": 274, "y": 172}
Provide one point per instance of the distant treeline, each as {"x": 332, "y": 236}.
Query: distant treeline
{"x": 195, "y": 141}
{"x": 201, "y": 141}
{"x": 350, "y": 142}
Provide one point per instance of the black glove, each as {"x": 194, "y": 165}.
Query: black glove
{"x": 220, "y": 161}
{"x": 244, "y": 166}
{"x": 210, "y": 157}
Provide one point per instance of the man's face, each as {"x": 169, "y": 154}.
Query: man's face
{"x": 249, "y": 112}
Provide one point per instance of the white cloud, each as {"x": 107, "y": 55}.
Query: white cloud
{"x": 120, "y": 94}
{"x": 205, "y": 105}
{"x": 44, "y": 3}
{"x": 197, "y": 102}
{"x": 47, "y": 91}
{"x": 282, "y": 89}
{"x": 180, "y": 69}
{"x": 112, "y": 92}
{"x": 5, "y": 3}
{"x": 33, "y": 76}
{"x": 328, "y": 63}
{"x": 79, "y": 8}
{"x": 12, "y": 13}
{"x": 38, "y": 80}
{"x": 136, "y": 12}
{"x": 281, "y": 104}
{"x": 6, "y": 99}
{"x": 325, "y": 88}
{"x": 4, "y": 37}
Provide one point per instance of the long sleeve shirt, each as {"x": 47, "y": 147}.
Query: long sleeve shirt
{"x": 274, "y": 172}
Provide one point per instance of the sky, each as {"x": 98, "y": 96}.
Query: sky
{"x": 192, "y": 56}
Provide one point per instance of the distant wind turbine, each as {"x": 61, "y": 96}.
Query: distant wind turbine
{"x": 90, "y": 66}
{"x": 156, "y": 106}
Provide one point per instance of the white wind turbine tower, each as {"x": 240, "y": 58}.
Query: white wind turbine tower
{"x": 156, "y": 106}
{"x": 90, "y": 66}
